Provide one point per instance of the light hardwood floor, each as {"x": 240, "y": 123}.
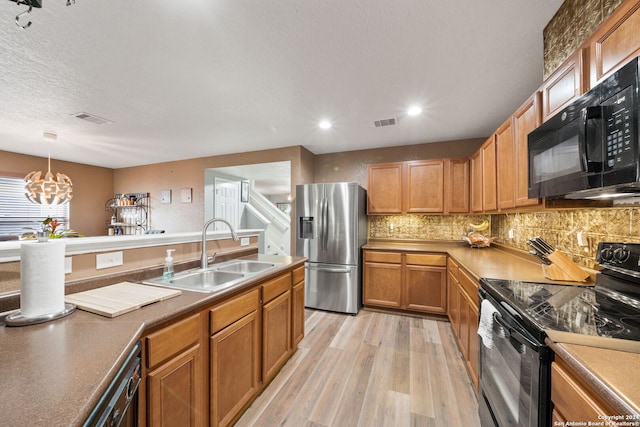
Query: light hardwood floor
{"x": 373, "y": 369}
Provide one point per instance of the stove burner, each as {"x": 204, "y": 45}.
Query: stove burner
{"x": 607, "y": 327}
{"x": 632, "y": 322}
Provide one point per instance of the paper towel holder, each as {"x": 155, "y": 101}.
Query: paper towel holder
{"x": 16, "y": 318}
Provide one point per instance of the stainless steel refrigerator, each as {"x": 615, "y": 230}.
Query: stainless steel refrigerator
{"x": 331, "y": 229}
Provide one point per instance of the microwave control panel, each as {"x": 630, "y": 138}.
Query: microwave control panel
{"x": 619, "y": 129}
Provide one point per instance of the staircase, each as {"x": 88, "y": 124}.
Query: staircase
{"x": 261, "y": 213}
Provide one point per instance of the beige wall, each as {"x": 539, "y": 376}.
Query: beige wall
{"x": 177, "y": 216}
{"x": 351, "y": 166}
{"x": 92, "y": 187}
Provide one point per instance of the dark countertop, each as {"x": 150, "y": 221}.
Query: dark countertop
{"x": 53, "y": 373}
{"x": 600, "y": 368}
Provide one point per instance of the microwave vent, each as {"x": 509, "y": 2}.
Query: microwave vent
{"x": 385, "y": 122}
{"x": 91, "y": 118}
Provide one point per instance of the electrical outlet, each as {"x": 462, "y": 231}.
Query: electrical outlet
{"x": 109, "y": 259}
{"x": 244, "y": 241}
{"x": 582, "y": 239}
{"x": 511, "y": 236}
{"x": 67, "y": 265}
{"x": 391, "y": 227}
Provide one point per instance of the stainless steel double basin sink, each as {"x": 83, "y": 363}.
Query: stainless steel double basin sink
{"x": 216, "y": 277}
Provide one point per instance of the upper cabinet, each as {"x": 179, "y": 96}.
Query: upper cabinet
{"x": 489, "y": 177}
{"x": 384, "y": 190}
{"x": 615, "y": 42}
{"x": 457, "y": 185}
{"x": 476, "y": 181}
{"x": 423, "y": 186}
{"x": 505, "y": 165}
{"x": 525, "y": 120}
{"x": 565, "y": 84}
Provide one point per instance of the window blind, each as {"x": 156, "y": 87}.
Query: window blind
{"x": 18, "y": 215}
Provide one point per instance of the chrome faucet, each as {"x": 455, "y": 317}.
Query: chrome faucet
{"x": 204, "y": 259}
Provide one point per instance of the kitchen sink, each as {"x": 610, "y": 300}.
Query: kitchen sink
{"x": 200, "y": 280}
{"x": 246, "y": 267}
{"x": 216, "y": 277}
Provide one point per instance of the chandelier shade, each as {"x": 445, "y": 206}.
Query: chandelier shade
{"x": 50, "y": 189}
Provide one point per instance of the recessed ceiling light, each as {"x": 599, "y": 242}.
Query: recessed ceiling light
{"x": 325, "y": 124}
{"x": 414, "y": 111}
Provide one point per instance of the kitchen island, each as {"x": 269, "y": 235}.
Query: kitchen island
{"x": 54, "y": 373}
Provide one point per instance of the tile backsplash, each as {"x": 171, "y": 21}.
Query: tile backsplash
{"x": 422, "y": 227}
{"x": 558, "y": 227}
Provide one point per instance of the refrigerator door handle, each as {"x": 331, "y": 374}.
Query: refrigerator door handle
{"x": 325, "y": 223}
{"x": 329, "y": 269}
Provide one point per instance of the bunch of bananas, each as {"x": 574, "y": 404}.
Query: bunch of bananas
{"x": 480, "y": 227}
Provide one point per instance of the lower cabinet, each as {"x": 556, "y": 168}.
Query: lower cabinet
{"x": 464, "y": 314}
{"x": 234, "y": 356}
{"x": 573, "y": 399}
{"x": 409, "y": 281}
{"x": 207, "y": 368}
{"x": 276, "y": 325}
{"x": 174, "y": 380}
{"x": 297, "y": 307}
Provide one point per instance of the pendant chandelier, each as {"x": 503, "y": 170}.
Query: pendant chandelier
{"x": 50, "y": 190}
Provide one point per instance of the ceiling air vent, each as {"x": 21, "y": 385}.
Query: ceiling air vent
{"x": 385, "y": 122}
{"x": 92, "y": 118}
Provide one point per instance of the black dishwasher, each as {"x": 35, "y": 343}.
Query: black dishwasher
{"x": 118, "y": 406}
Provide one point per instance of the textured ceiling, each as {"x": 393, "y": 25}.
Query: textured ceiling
{"x": 208, "y": 77}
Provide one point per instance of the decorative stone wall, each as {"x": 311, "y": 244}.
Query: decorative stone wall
{"x": 560, "y": 229}
{"x": 572, "y": 24}
{"x": 422, "y": 227}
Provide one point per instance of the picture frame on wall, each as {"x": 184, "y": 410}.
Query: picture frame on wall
{"x": 244, "y": 191}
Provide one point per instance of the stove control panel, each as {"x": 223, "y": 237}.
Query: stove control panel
{"x": 624, "y": 256}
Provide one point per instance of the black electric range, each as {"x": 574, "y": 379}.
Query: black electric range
{"x": 605, "y": 315}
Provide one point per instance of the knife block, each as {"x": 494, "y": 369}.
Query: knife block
{"x": 562, "y": 268}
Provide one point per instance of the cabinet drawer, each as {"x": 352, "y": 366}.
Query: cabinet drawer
{"x": 168, "y": 342}
{"x": 573, "y": 398}
{"x": 298, "y": 275}
{"x": 388, "y": 257}
{"x": 438, "y": 260}
{"x": 470, "y": 286}
{"x": 275, "y": 287}
{"x": 225, "y": 314}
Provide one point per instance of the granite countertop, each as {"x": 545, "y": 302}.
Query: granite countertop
{"x": 604, "y": 370}
{"x": 600, "y": 368}
{"x": 54, "y": 373}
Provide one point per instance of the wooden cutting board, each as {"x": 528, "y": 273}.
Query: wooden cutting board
{"x": 121, "y": 298}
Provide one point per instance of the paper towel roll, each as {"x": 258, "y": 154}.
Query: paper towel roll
{"x": 41, "y": 278}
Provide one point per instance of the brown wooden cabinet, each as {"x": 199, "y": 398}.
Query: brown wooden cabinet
{"x": 615, "y": 42}
{"x": 457, "y": 185}
{"x": 476, "y": 181}
{"x": 408, "y": 281}
{"x": 573, "y": 399}
{"x": 235, "y": 350}
{"x": 525, "y": 120}
{"x": 565, "y": 84}
{"x": 506, "y": 165}
{"x": 424, "y": 186}
{"x": 463, "y": 314}
{"x": 276, "y": 325}
{"x": 382, "y": 279}
{"x": 297, "y": 307}
{"x": 489, "y": 180}
{"x": 384, "y": 189}
{"x": 174, "y": 379}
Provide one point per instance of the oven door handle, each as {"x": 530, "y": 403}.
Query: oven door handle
{"x": 518, "y": 341}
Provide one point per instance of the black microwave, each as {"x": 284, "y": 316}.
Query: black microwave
{"x": 591, "y": 148}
